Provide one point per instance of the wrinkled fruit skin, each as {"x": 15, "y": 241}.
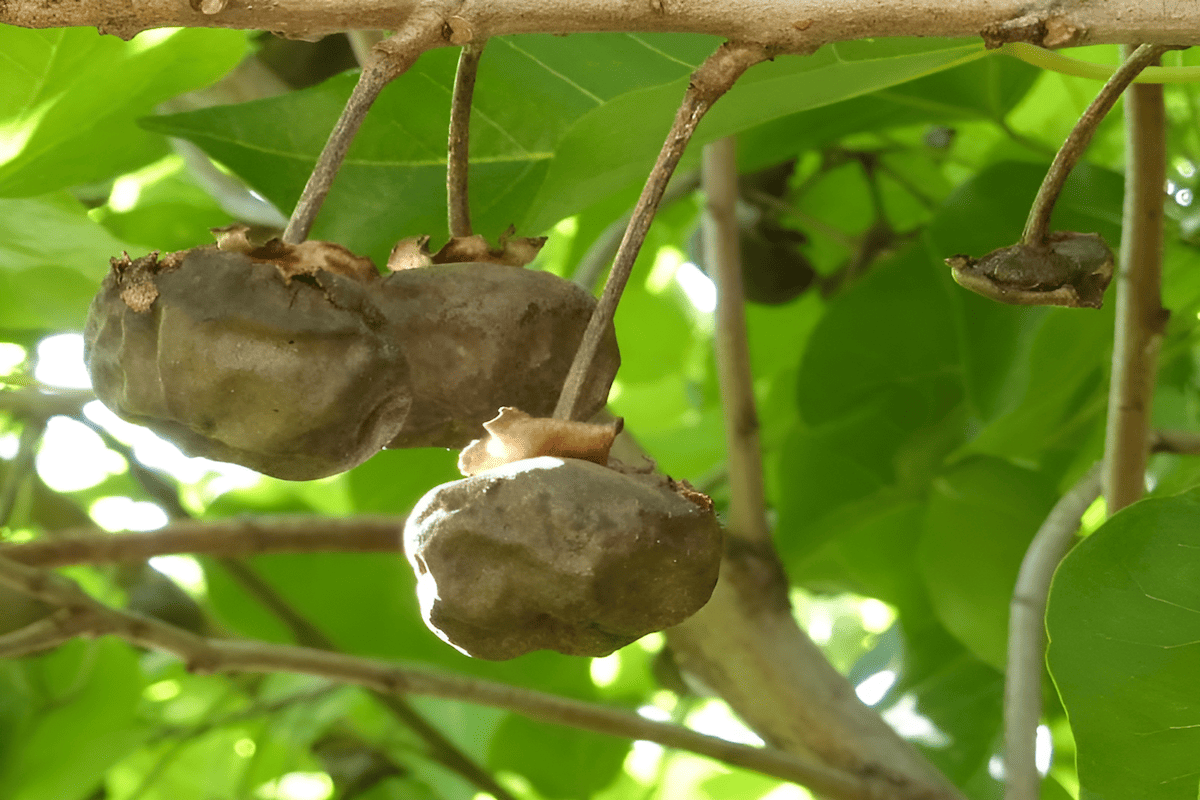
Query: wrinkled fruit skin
{"x": 480, "y": 336}
{"x": 558, "y": 554}
{"x": 294, "y": 380}
{"x": 308, "y": 376}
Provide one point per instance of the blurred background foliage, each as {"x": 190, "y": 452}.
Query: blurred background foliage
{"x": 915, "y": 435}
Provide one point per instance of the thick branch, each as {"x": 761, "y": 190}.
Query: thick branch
{"x": 1140, "y": 317}
{"x": 797, "y": 26}
{"x": 83, "y": 615}
{"x": 709, "y": 82}
{"x": 1027, "y": 636}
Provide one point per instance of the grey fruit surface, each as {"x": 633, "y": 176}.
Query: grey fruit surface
{"x": 559, "y": 554}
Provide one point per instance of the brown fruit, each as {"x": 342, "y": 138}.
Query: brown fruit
{"x": 480, "y": 336}
{"x": 559, "y": 554}
{"x": 301, "y": 362}
{"x": 297, "y": 378}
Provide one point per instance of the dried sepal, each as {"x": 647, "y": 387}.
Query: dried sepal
{"x": 311, "y": 257}
{"x": 514, "y": 435}
{"x": 410, "y": 253}
{"x": 513, "y": 251}
{"x": 134, "y": 277}
{"x": 1068, "y": 269}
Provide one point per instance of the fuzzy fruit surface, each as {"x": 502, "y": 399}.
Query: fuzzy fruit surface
{"x": 559, "y": 554}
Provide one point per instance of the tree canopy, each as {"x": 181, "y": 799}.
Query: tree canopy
{"x": 915, "y": 436}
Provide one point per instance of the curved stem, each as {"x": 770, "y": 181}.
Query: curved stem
{"x": 1038, "y": 224}
{"x": 458, "y": 161}
{"x": 711, "y": 80}
{"x": 1027, "y": 636}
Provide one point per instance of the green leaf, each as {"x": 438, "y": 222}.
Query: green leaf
{"x": 52, "y": 259}
{"x": 69, "y": 99}
{"x": 82, "y": 720}
{"x": 592, "y": 104}
{"x": 981, "y": 517}
{"x": 615, "y": 145}
{"x": 392, "y": 184}
{"x": 1122, "y": 622}
{"x": 560, "y": 762}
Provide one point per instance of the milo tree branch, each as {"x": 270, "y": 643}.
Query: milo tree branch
{"x": 796, "y": 27}
{"x": 1140, "y": 317}
{"x": 391, "y": 57}
{"x": 709, "y": 82}
{"x": 1038, "y": 225}
{"x": 1027, "y": 636}
{"x": 80, "y": 614}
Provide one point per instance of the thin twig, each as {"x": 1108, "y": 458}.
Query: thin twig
{"x": 1027, "y": 636}
{"x": 458, "y": 203}
{"x": 1178, "y": 442}
{"x": 711, "y": 80}
{"x": 88, "y": 616}
{"x": 391, "y": 58}
{"x": 233, "y": 538}
{"x": 1038, "y": 224}
{"x": 747, "y": 516}
{"x": 1140, "y": 317}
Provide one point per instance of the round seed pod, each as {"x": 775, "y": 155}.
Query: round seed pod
{"x": 480, "y": 336}
{"x": 234, "y": 359}
{"x": 559, "y": 554}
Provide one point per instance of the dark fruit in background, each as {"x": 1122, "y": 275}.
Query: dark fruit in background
{"x": 559, "y": 554}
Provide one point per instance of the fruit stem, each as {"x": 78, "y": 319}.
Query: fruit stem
{"x": 390, "y": 58}
{"x": 1038, "y": 224}
{"x": 458, "y": 205}
{"x": 711, "y": 80}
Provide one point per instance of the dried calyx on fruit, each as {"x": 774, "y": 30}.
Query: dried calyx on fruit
{"x": 538, "y": 550}
{"x": 300, "y": 361}
{"x": 560, "y": 554}
{"x": 1068, "y": 269}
